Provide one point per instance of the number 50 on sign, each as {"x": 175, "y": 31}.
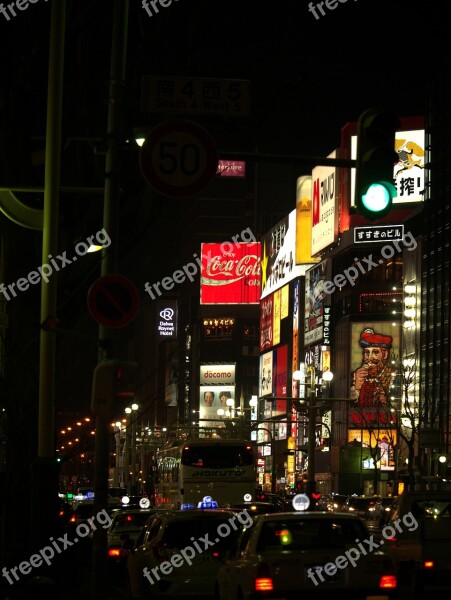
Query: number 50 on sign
{"x": 178, "y": 159}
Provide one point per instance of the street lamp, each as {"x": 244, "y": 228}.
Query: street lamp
{"x": 131, "y": 487}
{"x": 327, "y": 377}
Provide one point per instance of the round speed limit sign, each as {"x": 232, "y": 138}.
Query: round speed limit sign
{"x": 178, "y": 159}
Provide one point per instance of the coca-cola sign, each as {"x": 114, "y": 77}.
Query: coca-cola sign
{"x": 230, "y": 273}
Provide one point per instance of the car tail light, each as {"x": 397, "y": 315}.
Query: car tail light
{"x": 264, "y": 584}
{"x": 115, "y": 551}
{"x": 428, "y": 564}
{"x": 388, "y": 581}
{"x": 263, "y": 581}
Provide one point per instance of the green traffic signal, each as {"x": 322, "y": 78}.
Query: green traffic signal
{"x": 376, "y": 157}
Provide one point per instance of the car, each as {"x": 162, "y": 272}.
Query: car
{"x": 320, "y": 553}
{"x": 256, "y": 507}
{"x": 123, "y": 532}
{"x": 279, "y": 501}
{"x": 366, "y": 507}
{"x": 332, "y": 502}
{"x": 386, "y": 509}
{"x": 178, "y": 552}
{"x": 420, "y": 538}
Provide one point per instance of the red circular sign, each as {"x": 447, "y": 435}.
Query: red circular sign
{"x": 113, "y": 301}
{"x": 178, "y": 159}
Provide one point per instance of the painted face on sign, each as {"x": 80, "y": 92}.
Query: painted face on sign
{"x": 209, "y": 398}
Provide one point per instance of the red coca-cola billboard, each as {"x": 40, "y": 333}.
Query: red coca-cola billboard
{"x": 230, "y": 273}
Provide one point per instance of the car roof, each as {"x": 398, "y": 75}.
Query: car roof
{"x": 194, "y": 512}
{"x": 134, "y": 511}
{"x": 316, "y": 514}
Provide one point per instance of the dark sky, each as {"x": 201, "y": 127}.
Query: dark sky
{"x": 309, "y": 75}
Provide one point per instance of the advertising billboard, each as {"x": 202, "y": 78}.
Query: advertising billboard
{"x": 278, "y": 262}
{"x": 325, "y": 195}
{"x": 211, "y": 399}
{"x": 408, "y": 173}
{"x": 217, "y": 374}
{"x": 230, "y": 273}
{"x": 314, "y": 303}
{"x": 265, "y": 387}
{"x": 303, "y": 220}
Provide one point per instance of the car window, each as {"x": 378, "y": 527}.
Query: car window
{"x": 179, "y": 534}
{"x": 309, "y": 533}
{"x": 432, "y": 509}
{"x": 242, "y": 541}
{"x": 128, "y": 521}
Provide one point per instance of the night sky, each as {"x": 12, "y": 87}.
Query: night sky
{"x": 309, "y": 77}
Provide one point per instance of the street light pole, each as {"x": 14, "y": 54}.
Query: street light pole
{"x": 311, "y": 434}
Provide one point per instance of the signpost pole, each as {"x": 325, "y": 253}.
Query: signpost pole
{"x": 99, "y": 579}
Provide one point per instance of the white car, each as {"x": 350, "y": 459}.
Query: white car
{"x": 319, "y": 553}
{"x": 179, "y": 552}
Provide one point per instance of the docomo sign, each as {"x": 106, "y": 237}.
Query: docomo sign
{"x": 230, "y": 273}
{"x": 224, "y": 374}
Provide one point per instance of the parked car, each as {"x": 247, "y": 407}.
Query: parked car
{"x": 282, "y": 555}
{"x": 420, "y": 538}
{"x": 178, "y": 553}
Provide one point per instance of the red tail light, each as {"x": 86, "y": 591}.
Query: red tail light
{"x": 264, "y": 584}
{"x": 388, "y": 581}
{"x": 114, "y": 552}
{"x": 428, "y": 564}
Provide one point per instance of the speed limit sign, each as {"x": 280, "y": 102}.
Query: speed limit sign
{"x": 178, "y": 159}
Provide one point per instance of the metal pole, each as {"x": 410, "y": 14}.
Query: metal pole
{"x": 133, "y": 488}
{"x": 99, "y": 574}
{"x": 311, "y": 436}
{"x": 44, "y": 471}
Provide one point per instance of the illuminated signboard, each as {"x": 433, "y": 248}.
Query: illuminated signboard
{"x": 167, "y": 319}
{"x": 378, "y": 233}
{"x": 217, "y": 374}
{"x": 231, "y": 168}
{"x": 266, "y": 374}
{"x": 230, "y": 273}
{"x": 279, "y": 256}
{"x": 408, "y": 173}
{"x": 325, "y": 192}
{"x": 314, "y": 303}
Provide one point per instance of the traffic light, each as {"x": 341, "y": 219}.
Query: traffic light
{"x": 376, "y": 157}
{"x": 107, "y": 384}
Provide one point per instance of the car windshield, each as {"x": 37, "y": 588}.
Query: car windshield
{"x": 309, "y": 533}
{"x": 179, "y": 534}
{"x": 361, "y": 503}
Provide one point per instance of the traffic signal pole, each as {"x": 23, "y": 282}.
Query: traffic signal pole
{"x": 99, "y": 573}
{"x": 44, "y": 471}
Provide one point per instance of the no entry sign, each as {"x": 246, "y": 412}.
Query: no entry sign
{"x": 113, "y": 301}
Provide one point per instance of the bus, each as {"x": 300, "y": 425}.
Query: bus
{"x": 187, "y": 471}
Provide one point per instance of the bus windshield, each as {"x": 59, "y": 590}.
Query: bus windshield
{"x": 217, "y": 457}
